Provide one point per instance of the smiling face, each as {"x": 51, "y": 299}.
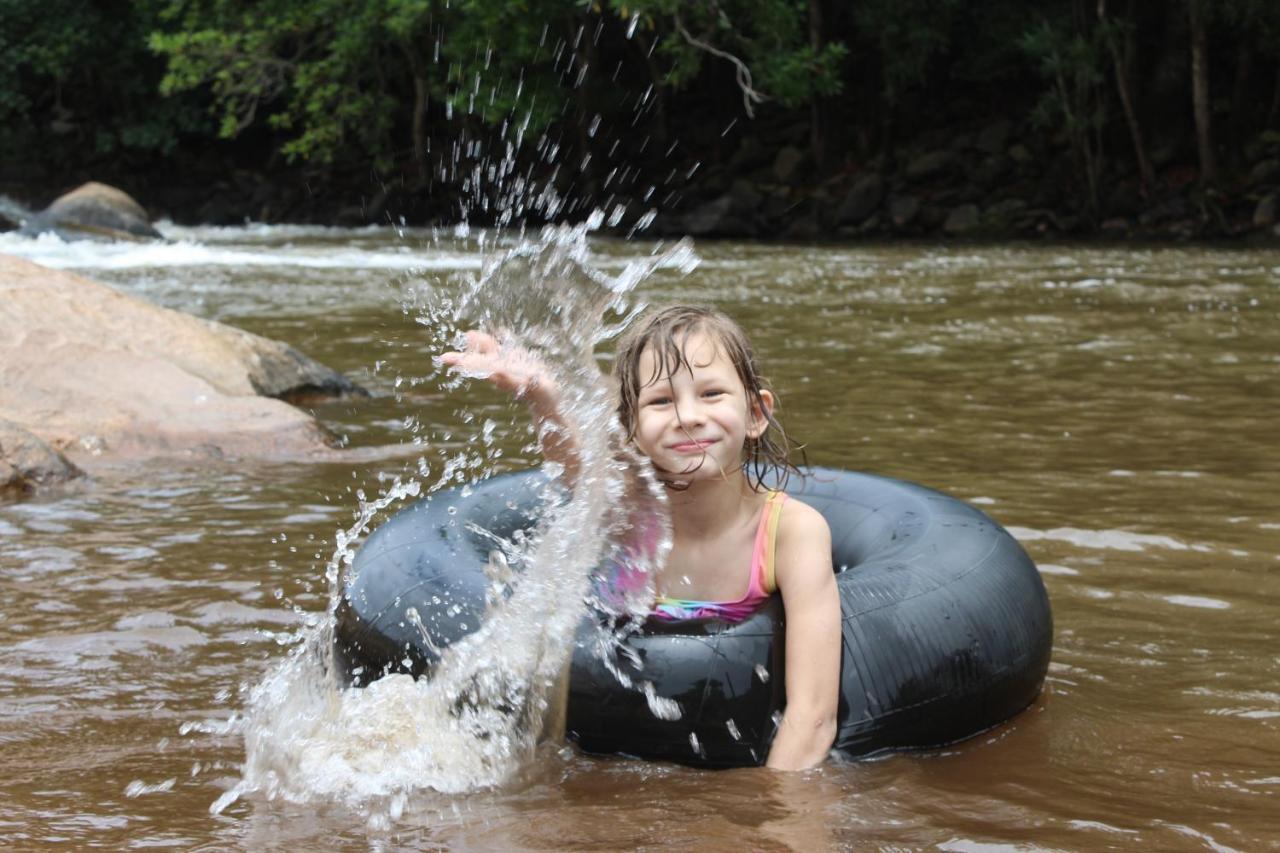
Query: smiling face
{"x": 694, "y": 420}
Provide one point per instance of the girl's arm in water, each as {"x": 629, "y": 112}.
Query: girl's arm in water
{"x": 808, "y": 586}
{"x": 523, "y": 374}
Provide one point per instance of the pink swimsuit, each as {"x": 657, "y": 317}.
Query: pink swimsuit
{"x": 760, "y": 586}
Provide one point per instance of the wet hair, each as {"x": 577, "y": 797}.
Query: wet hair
{"x": 666, "y": 332}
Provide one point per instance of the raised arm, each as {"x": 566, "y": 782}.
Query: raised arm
{"x": 808, "y": 586}
{"x": 520, "y": 372}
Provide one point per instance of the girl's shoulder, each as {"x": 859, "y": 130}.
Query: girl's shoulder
{"x": 798, "y": 518}
{"x": 803, "y": 548}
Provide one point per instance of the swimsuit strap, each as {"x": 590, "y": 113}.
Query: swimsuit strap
{"x": 762, "y": 560}
{"x": 760, "y": 584}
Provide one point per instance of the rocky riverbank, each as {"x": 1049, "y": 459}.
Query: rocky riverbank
{"x": 991, "y": 183}
{"x": 994, "y": 181}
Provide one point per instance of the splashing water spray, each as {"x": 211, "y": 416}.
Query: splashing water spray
{"x": 476, "y": 720}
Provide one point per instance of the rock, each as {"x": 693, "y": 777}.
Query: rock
{"x": 903, "y": 209}
{"x": 1020, "y": 154}
{"x": 1264, "y": 172}
{"x": 1264, "y": 215}
{"x": 962, "y": 219}
{"x": 1123, "y": 200}
{"x": 931, "y": 216}
{"x": 930, "y": 165}
{"x": 12, "y": 214}
{"x": 1172, "y": 209}
{"x": 989, "y": 172}
{"x": 27, "y": 463}
{"x": 1116, "y": 226}
{"x": 751, "y": 155}
{"x": 94, "y": 211}
{"x": 746, "y": 195}
{"x": 862, "y": 199}
{"x": 779, "y": 205}
{"x": 707, "y": 217}
{"x": 804, "y": 228}
{"x": 720, "y": 217}
{"x": 993, "y": 138}
{"x": 83, "y": 365}
{"x": 786, "y": 166}
{"x": 1004, "y": 211}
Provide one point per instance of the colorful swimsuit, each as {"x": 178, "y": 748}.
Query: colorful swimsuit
{"x": 761, "y": 585}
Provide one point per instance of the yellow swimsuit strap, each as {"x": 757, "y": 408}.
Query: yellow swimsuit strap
{"x": 773, "y": 506}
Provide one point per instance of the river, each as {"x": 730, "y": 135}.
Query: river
{"x": 1115, "y": 407}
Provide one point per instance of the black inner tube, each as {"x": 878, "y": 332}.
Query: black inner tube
{"x": 946, "y": 625}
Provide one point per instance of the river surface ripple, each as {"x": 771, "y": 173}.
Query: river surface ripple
{"x": 1114, "y": 407}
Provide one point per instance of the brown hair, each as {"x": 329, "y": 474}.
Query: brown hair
{"x": 667, "y": 332}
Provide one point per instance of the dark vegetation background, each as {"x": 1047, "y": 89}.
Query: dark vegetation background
{"x": 774, "y": 118}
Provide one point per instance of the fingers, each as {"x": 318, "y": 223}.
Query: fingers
{"x": 477, "y": 344}
{"x": 483, "y": 358}
{"x": 514, "y": 369}
{"x": 481, "y": 342}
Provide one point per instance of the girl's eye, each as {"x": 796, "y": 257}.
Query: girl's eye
{"x": 713, "y": 392}
{"x": 657, "y": 401}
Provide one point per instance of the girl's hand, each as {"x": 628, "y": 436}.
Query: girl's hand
{"x": 524, "y": 374}
{"x": 515, "y": 370}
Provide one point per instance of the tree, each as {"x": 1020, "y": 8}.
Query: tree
{"x": 1200, "y": 92}
{"x": 778, "y": 50}
{"x": 1112, "y": 34}
{"x": 77, "y": 85}
{"x": 333, "y": 77}
{"x": 1071, "y": 61}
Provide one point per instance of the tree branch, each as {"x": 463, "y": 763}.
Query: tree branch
{"x": 750, "y": 95}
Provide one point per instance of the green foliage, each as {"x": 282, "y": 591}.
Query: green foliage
{"x": 76, "y": 77}
{"x": 770, "y": 38}
{"x": 335, "y": 76}
{"x": 1072, "y": 63}
{"x": 404, "y": 85}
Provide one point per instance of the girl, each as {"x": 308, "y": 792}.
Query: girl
{"x": 692, "y": 401}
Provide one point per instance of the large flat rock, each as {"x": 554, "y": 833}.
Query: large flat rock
{"x": 91, "y": 370}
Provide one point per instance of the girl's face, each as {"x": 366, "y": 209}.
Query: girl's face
{"x": 695, "y": 423}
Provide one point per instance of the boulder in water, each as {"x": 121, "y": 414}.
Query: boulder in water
{"x": 94, "y": 211}
{"x": 88, "y": 368}
{"x": 28, "y": 463}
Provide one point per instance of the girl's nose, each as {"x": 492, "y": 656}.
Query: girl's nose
{"x": 691, "y": 413}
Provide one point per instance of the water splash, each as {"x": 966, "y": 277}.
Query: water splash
{"x": 477, "y": 719}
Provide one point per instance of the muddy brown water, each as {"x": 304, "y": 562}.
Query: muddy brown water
{"x": 1116, "y": 408}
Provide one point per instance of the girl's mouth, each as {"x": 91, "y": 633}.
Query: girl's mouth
{"x": 693, "y": 446}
